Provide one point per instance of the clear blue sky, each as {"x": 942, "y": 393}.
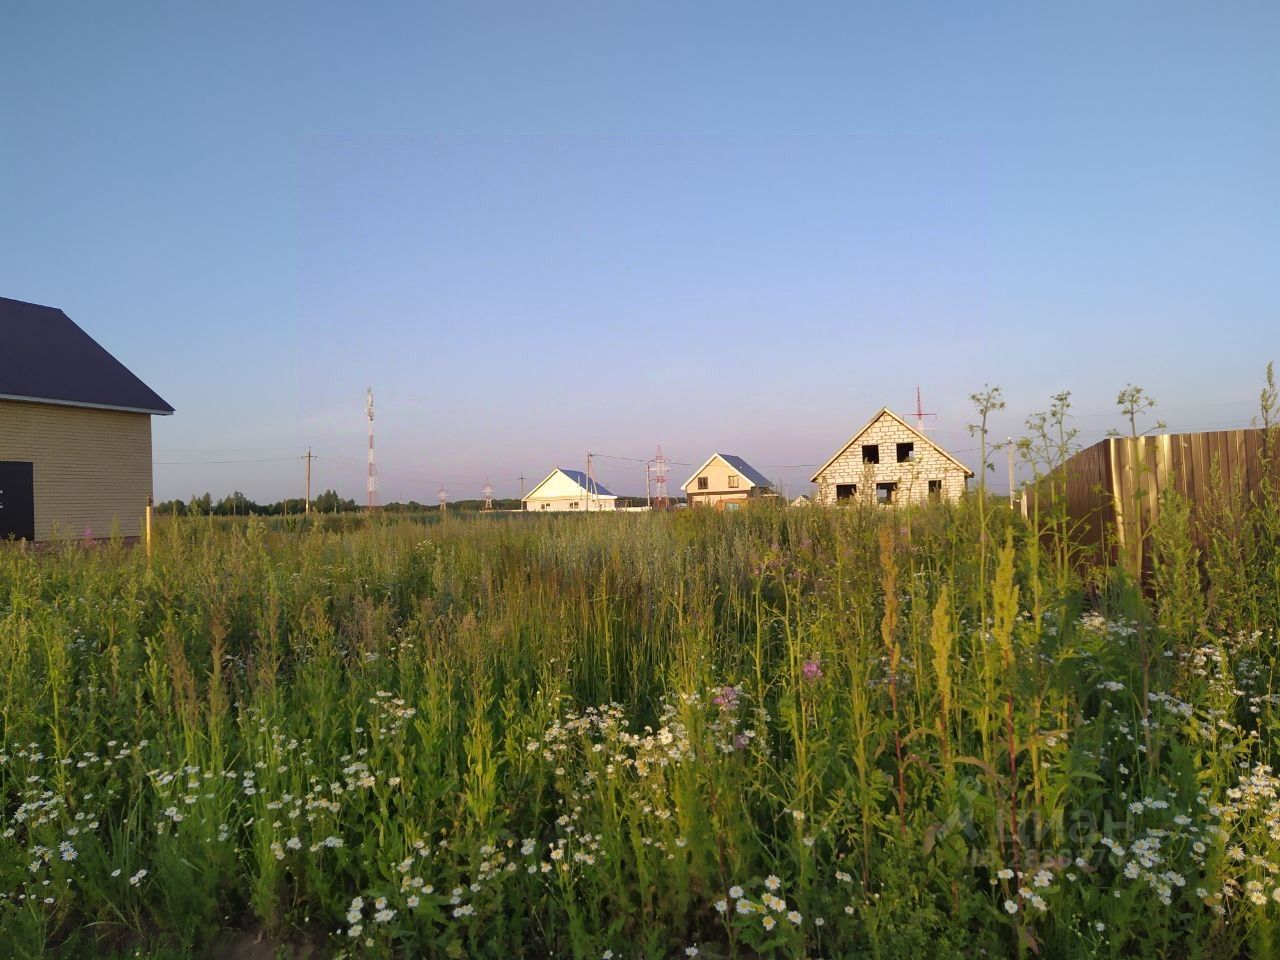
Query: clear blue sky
{"x": 541, "y": 228}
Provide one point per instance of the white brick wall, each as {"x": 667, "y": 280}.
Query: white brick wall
{"x": 912, "y": 477}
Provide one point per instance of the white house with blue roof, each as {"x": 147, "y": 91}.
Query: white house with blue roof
{"x": 726, "y": 482}
{"x": 569, "y": 490}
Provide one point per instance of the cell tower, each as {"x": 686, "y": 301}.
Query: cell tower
{"x": 658, "y": 469}
{"x": 488, "y": 494}
{"x": 920, "y": 414}
{"x": 373, "y": 474}
{"x": 443, "y": 497}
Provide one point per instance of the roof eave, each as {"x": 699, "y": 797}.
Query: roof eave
{"x": 54, "y": 402}
{"x": 724, "y": 458}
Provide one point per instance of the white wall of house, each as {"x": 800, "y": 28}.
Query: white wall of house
{"x": 578, "y": 504}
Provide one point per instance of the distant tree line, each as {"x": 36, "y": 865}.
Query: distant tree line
{"x": 238, "y": 505}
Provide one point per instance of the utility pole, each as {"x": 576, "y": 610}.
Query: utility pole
{"x": 306, "y": 510}
{"x": 588, "y": 481}
{"x": 1009, "y": 445}
{"x": 920, "y": 414}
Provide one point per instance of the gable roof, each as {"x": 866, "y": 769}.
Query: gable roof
{"x": 46, "y": 358}
{"x": 885, "y": 411}
{"x": 594, "y": 487}
{"x": 578, "y": 477}
{"x": 757, "y": 478}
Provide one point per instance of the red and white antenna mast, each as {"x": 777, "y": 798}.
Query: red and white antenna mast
{"x": 920, "y": 414}
{"x": 373, "y": 474}
{"x": 488, "y": 494}
{"x": 658, "y": 468}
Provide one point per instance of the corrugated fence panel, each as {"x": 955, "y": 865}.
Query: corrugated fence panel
{"x": 1116, "y": 484}
{"x": 1085, "y": 489}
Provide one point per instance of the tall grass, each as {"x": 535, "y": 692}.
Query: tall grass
{"x": 836, "y": 733}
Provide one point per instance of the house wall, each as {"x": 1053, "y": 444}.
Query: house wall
{"x": 718, "y": 490}
{"x": 912, "y": 477}
{"x": 563, "y": 504}
{"x": 91, "y": 468}
{"x": 717, "y": 499}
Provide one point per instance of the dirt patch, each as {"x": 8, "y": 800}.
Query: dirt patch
{"x": 258, "y": 945}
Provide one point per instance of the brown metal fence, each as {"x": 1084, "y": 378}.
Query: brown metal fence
{"x": 1112, "y": 489}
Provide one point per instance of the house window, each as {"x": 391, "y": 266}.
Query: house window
{"x": 731, "y": 506}
{"x": 733, "y": 483}
{"x": 886, "y": 493}
{"x": 574, "y": 505}
{"x": 846, "y": 491}
{"x": 935, "y": 490}
{"x": 906, "y": 452}
{"x": 702, "y": 483}
{"x": 871, "y": 453}
{"x": 545, "y": 506}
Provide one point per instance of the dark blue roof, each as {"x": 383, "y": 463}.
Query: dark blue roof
{"x": 580, "y": 478}
{"x": 45, "y": 357}
{"x": 757, "y": 478}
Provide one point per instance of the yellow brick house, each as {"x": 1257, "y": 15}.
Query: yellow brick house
{"x": 75, "y": 431}
{"x": 726, "y": 482}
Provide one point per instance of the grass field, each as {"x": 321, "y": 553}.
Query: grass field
{"x": 783, "y": 733}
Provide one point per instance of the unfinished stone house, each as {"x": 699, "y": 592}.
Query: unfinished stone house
{"x": 888, "y": 462}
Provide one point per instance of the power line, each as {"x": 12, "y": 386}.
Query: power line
{"x": 173, "y": 463}
{"x": 178, "y": 450}
{"x": 407, "y": 473}
{"x": 1161, "y": 408}
{"x": 609, "y": 456}
{"x": 684, "y": 463}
